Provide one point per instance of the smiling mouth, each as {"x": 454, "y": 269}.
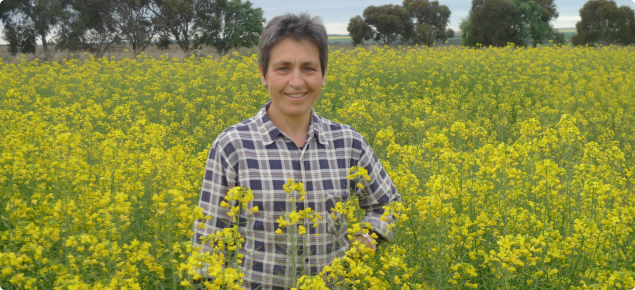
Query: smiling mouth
{"x": 296, "y": 96}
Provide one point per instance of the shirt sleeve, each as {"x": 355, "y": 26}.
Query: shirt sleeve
{"x": 379, "y": 192}
{"x": 220, "y": 176}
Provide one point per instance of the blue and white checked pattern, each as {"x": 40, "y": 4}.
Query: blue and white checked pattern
{"x": 255, "y": 154}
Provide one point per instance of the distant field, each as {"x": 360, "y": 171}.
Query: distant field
{"x": 571, "y": 29}
{"x": 568, "y": 35}
{"x": 340, "y": 39}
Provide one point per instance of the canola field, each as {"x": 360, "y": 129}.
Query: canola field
{"x": 515, "y": 166}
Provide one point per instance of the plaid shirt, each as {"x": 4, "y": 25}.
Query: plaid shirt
{"x": 255, "y": 154}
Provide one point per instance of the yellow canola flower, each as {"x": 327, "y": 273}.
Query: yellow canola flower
{"x": 511, "y": 163}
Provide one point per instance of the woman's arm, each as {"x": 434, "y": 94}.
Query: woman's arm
{"x": 379, "y": 192}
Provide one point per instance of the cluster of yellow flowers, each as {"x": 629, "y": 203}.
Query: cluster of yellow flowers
{"x": 300, "y": 218}
{"x": 222, "y": 265}
{"x": 515, "y": 166}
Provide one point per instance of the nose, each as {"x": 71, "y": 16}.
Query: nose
{"x": 296, "y": 79}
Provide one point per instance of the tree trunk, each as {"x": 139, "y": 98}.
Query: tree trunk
{"x": 45, "y": 45}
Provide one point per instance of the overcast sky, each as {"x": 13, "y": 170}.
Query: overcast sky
{"x": 337, "y": 13}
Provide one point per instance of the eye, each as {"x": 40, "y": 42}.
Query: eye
{"x": 284, "y": 68}
{"x": 308, "y": 68}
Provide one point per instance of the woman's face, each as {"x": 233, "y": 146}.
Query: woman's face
{"x": 294, "y": 78}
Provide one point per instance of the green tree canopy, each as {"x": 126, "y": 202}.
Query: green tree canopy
{"x": 25, "y": 21}
{"x": 435, "y": 16}
{"x": 226, "y": 25}
{"x": 450, "y": 33}
{"x": 466, "y": 28}
{"x": 175, "y": 21}
{"x": 92, "y": 26}
{"x": 602, "y": 22}
{"x": 21, "y": 38}
{"x": 498, "y": 22}
{"x": 389, "y": 22}
{"x": 424, "y": 34}
{"x": 95, "y": 25}
{"x": 134, "y": 20}
{"x": 359, "y": 30}
{"x": 494, "y": 22}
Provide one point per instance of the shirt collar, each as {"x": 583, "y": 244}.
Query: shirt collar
{"x": 270, "y": 132}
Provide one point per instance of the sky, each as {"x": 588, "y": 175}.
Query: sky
{"x": 336, "y": 13}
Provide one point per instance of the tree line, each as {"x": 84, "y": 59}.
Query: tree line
{"x": 492, "y": 23}
{"x": 96, "y": 25}
{"x": 499, "y": 22}
{"x": 415, "y": 22}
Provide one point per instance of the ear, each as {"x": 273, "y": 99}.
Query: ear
{"x": 262, "y": 75}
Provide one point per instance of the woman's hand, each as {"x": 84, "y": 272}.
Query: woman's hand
{"x": 367, "y": 241}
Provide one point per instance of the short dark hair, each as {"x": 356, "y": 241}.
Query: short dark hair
{"x": 298, "y": 27}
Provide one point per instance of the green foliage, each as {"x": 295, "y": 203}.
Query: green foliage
{"x": 222, "y": 24}
{"x": 20, "y": 38}
{"x": 424, "y": 35}
{"x": 494, "y": 22}
{"x": 602, "y": 22}
{"x": 499, "y": 22}
{"x": 164, "y": 42}
{"x": 466, "y": 27}
{"x": 449, "y": 33}
{"x": 91, "y": 26}
{"x": 534, "y": 22}
{"x": 26, "y": 21}
{"x": 359, "y": 30}
{"x": 389, "y": 22}
{"x": 559, "y": 38}
{"x": 226, "y": 25}
{"x": 134, "y": 20}
{"x": 95, "y": 25}
{"x": 431, "y": 13}
{"x": 175, "y": 19}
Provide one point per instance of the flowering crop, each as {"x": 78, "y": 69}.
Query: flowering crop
{"x": 515, "y": 166}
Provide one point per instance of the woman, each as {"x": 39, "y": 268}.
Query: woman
{"x": 287, "y": 139}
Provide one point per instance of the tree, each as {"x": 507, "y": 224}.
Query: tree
{"x": 424, "y": 34}
{"x": 388, "y": 22}
{"x": 602, "y": 22}
{"x": 494, "y": 22}
{"x": 498, "y": 22}
{"x": 134, "y": 21}
{"x": 359, "y": 30}
{"x": 431, "y": 13}
{"x": 626, "y": 33}
{"x": 175, "y": 19}
{"x": 449, "y": 33}
{"x": 559, "y": 38}
{"x": 226, "y": 25}
{"x": 26, "y": 21}
{"x": 20, "y": 37}
{"x": 92, "y": 26}
{"x": 534, "y": 19}
{"x": 466, "y": 27}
